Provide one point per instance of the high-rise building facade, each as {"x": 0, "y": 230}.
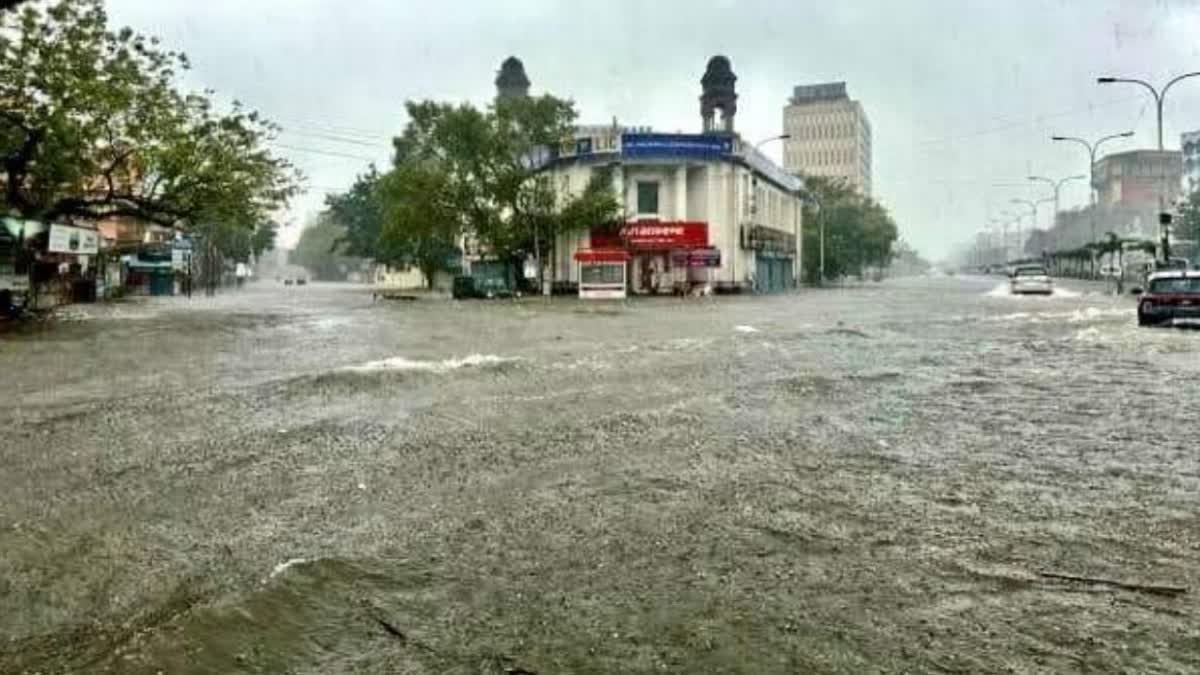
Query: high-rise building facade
{"x": 829, "y": 135}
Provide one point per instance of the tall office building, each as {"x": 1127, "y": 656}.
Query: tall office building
{"x": 829, "y": 135}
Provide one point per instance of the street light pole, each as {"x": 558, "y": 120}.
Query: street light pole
{"x": 1056, "y": 185}
{"x": 1005, "y": 220}
{"x": 1158, "y": 102}
{"x": 780, "y": 137}
{"x": 1093, "y": 191}
{"x": 1158, "y": 96}
{"x": 809, "y": 195}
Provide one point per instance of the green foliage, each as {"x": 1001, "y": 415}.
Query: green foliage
{"x": 1188, "y": 225}
{"x": 596, "y": 206}
{"x": 419, "y": 216}
{"x": 859, "y": 232}
{"x": 94, "y": 126}
{"x": 462, "y": 171}
{"x": 319, "y": 251}
{"x": 360, "y": 212}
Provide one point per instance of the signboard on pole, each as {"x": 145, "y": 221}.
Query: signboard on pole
{"x": 77, "y": 240}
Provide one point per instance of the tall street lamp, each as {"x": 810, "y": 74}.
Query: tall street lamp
{"x": 1004, "y": 220}
{"x": 1092, "y": 191}
{"x": 1032, "y": 213}
{"x": 1158, "y": 96}
{"x": 1158, "y": 101}
{"x": 780, "y": 137}
{"x": 1056, "y": 185}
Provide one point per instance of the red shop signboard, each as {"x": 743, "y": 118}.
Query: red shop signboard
{"x": 653, "y": 235}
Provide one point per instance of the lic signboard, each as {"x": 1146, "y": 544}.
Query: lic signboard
{"x": 700, "y": 146}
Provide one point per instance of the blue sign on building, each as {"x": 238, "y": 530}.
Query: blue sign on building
{"x": 704, "y": 146}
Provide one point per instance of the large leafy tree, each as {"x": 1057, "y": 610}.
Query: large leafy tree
{"x": 859, "y": 232}
{"x": 320, "y": 252}
{"x": 92, "y": 125}
{"x": 359, "y": 211}
{"x": 1188, "y": 227}
{"x": 459, "y": 170}
{"x": 421, "y": 217}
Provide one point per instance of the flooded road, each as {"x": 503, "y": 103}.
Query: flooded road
{"x": 874, "y": 479}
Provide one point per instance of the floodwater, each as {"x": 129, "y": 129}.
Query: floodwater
{"x": 873, "y": 479}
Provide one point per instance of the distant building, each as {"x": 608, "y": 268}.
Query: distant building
{"x": 1190, "y": 142}
{"x": 830, "y": 135}
{"x": 1130, "y": 187}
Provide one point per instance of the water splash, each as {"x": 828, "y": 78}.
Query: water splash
{"x": 445, "y": 365}
{"x": 283, "y": 566}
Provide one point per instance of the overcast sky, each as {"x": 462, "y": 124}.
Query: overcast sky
{"x": 962, "y": 94}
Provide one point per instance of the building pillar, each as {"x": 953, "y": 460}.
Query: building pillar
{"x": 681, "y": 196}
{"x": 618, "y": 177}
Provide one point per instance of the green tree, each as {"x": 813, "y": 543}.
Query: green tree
{"x": 460, "y": 170}
{"x": 421, "y": 219}
{"x": 597, "y": 206}
{"x": 93, "y": 126}
{"x": 359, "y": 211}
{"x": 319, "y": 250}
{"x": 1188, "y": 227}
{"x": 263, "y": 238}
{"x": 859, "y": 232}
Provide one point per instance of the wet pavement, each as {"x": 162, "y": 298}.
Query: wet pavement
{"x": 874, "y": 479}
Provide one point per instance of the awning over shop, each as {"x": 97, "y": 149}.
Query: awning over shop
{"x": 601, "y": 255}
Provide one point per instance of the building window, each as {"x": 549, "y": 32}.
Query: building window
{"x": 647, "y": 198}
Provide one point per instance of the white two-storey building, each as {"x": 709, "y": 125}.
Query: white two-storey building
{"x": 699, "y": 209}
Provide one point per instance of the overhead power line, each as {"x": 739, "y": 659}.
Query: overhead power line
{"x": 328, "y": 153}
{"x": 335, "y": 138}
{"x": 1016, "y": 124}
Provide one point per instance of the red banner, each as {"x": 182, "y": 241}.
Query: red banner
{"x": 654, "y": 235}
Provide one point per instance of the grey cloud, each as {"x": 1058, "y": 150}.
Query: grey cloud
{"x": 962, "y": 95}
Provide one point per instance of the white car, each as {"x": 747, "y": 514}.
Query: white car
{"x": 1030, "y": 279}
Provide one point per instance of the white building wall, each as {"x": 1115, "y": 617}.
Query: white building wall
{"x": 715, "y": 192}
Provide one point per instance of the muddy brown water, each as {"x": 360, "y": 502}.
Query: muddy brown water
{"x": 848, "y": 481}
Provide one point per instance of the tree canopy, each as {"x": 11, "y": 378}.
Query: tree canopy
{"x": 93, "y": 125}
{"x": 1188, "y": 227}
{"x": 859, "y": 232}
{"x": 459, "y": 171}
{"x": 320, "y": 252}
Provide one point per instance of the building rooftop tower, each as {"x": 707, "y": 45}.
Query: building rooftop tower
{"x": 719, "y": 93}
{"x": 511, "y": 80}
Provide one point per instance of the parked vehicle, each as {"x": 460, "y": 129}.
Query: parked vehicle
{"x": 1170, "y": 297}
{"x": 484, "y": 287}
{"x": 1152, "y": 268}
{"x": 1030, "y": 279}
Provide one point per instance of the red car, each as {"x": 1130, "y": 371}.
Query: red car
{"x": 1170, "y": 297}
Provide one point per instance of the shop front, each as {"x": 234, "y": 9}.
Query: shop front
{"x": 774, "y": 262}
{"x": 664, "y": 257}
{"x": 602, "y": 273}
